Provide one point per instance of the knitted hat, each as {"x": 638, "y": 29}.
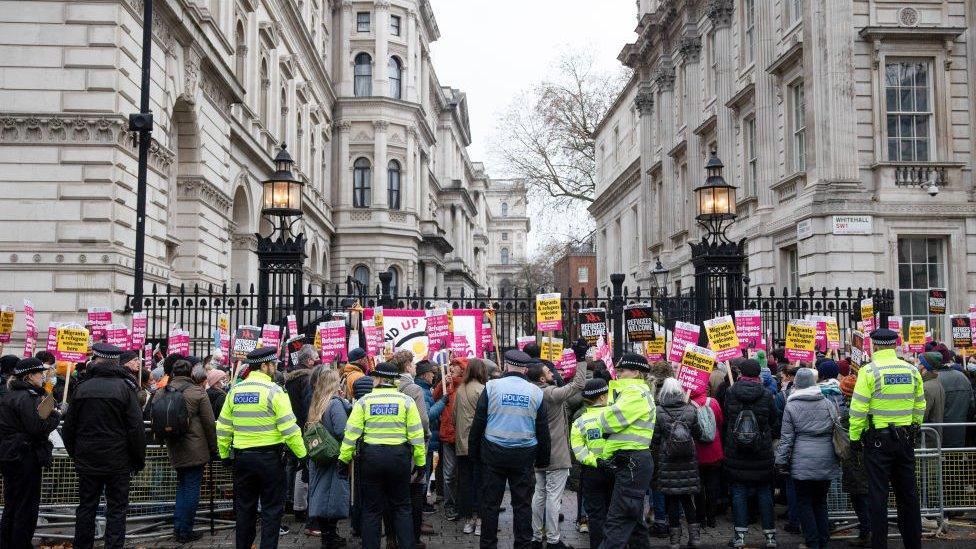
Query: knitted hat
{"x": 847, "y": 384}
{"x": 749, "y": 367}
{"x": 828, "y": 369}
{"x": 930, "y": 361}
{"x": 216, "y": 376}
{"x": 356, "y": 354}
{"x": 844, "y": 367}
{"x": 8, "y": 363}
{"x": 805, "y": 377}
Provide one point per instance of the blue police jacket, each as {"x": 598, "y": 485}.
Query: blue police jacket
{"x": 513, "y": 404}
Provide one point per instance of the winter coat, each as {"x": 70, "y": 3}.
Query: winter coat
{"x": 434, "y": 410}
{"x": 350, "y": 373}
{"x": 674, "y": 477}
{"x": 199, "y": 444}
{"x": 743, "y": 466}
{"x": 935, "y": 398}
{"x": 297, "y": 385}
{"x": 959, "y": 406}
{"x": 103, "y": 430}
{"x": 23, "y": 434}
{"x": 447, "y": 432}
{"x": 411, "y": 389}
{"x": 855, "y": 480}
{"x": 556, "y": 414}
{"x": 710, "y": 453}
{"x": 465, "y": 402}
{"x": 831, "y": 390}
{"x": 217, "y": 397}
{"x": 806, "y": 444}
{"x": 328, "y": 495}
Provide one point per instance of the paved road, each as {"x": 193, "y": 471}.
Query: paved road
{"x": 451, "y": 536}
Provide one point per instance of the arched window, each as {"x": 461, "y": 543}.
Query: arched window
{"x": 504, "y": 209}
{"x": 361, "y": 275}
{"x": 240, "y": 52}
{"x": 393, "y": 185}
{"x": 265, "y": 83}
{"x": 361, "y": 183}
{"x": 364, "y": 75}
{"x": 394, "y": 281}
{"x": 396, "y": 78}
{"x": 504, "y": 256}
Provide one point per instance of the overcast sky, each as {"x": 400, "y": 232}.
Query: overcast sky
{"x": 494, "y": 49}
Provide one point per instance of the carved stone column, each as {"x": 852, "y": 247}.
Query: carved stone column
{"x": 720, "y": 12}
{"x": 381, "y": 63}
{"x": 379, "y": 163}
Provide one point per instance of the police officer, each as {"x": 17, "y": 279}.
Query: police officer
{"x": 510, "y": 433}
{"x": 628, "y": 427}
{"x": 587, "y": 442}
{"x": 886, "y": 412}
{"x": 254, "y": 426}
{"x": 388, "y": 424}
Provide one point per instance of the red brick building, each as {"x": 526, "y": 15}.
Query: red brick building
{"x": 576, "y": 269}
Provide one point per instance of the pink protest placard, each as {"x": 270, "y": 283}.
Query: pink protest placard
{"x": 52, "y": 337}
{"x": 374, "y": 343}
{"x": 139, "y": 323}
{"x": 333, "y": 334}
{"x": 604, "y": 352}
{"x": 30, "y": 325}
{"x": 147, "y": 353}
{"x": 99, "y": 318}
{"x": 118, "y": 335}
{"x": 178, "y": 342}
{"x": 225, "y": 347}
{"x": 270, "y": 336}
{"x": 894, "y": 324}
{"x": 522, "y": 341}
{"x": 460, "y": 346}
{"x": 438, "y": 328}
{"x": 292, "y": 326}
{"x": 697, "y": 364}
{"x": 748, "y": 327}
{"x": 486, "y": 343}
{"x": 684, "y": 334}
{"x": 468, "y": 322}
{"x": 567, "y": 364}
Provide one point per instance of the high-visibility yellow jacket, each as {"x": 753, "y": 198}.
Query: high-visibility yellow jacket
{"x": 386, "y": 417}
{"x": 257, "y": 412}
{"x": 628, "y": 423}
{"x": 586, "y": 436}
{"x": 890, "y": 391}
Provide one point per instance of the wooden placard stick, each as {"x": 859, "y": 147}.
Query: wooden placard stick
{"x": 67, "y": 382}
{"x": 494, "y": 335}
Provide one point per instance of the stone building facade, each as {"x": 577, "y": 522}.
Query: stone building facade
{"x": 349, "y": 86}
{"x": 508, "y": 233}
{"x": 833, "y": 119}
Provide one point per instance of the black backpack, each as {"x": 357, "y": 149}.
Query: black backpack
{"x": 679, "y": 444}
{"x": 168, "y": 417}
{"x": 746, "y": 435}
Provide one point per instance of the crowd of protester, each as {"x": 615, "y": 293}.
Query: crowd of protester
{"x": 705, "y": 467}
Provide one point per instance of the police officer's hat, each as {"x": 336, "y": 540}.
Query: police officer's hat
{"x": 518, "y": 359}
{"x": 29, "y": 366}
{"x": 104, "y": 350}
{"x": 262, "y": 355}
{"x": 386, "y": 370}
{"x": 884, "y": 336}
{"x": 595, "y": 387}
{"x": 633, "y": 361}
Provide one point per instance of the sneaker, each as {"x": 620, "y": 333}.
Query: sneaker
{"x": 738, "y": 538}
{"x": 659, "y": 530}
{"x": 770, "y": 536}
{"x": 313, "y": 532}
{"x": 477, "y": 527}
{"x": 929, "y": 524}
{"x": 469, "y": 526}
{"x": 284, "y": 530}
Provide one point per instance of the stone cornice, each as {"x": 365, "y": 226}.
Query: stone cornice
{"x": 628, "y": 179}
{"x": 198, "y": 188}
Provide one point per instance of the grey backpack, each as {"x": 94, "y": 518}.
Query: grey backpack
{"x": 706, "y": 421}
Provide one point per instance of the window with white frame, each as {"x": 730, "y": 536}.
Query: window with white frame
{"x": 395, "y": 25}
{"x": 583, "y": 275}
{"x": 794, "y": 11}
{"x": 362, "y": 21}
{"x": 791, "y": 268}
{"x": 749, "y": 30}
{"x": 908, "y": 104}
{"x": 752, "y": 157}
{"x": 798, "y": 126}
{"x": 921, "y": 267}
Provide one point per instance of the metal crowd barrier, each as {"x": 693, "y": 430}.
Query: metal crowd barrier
{"x": 152, "y": 497}
{"x": 945, "y": 480}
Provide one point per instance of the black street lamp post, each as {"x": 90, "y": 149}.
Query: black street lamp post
{"x": 142, "y": 122}
{"x": 718, "y": 261}
{"x": 281, "y": 255}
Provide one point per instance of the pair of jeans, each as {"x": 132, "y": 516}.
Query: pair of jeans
{"x": 188, "y": 481}
{"x": 675, "y": 503}
{"x": 449, "y": 469}
{"x": 811, "y": 507}
{"x": 660, "y": 509}
{"x": 791, "y": 508}
{"x": 469, "y": 492}
{"x": 740, "y": 504}
{"x": 546, "y": 503}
